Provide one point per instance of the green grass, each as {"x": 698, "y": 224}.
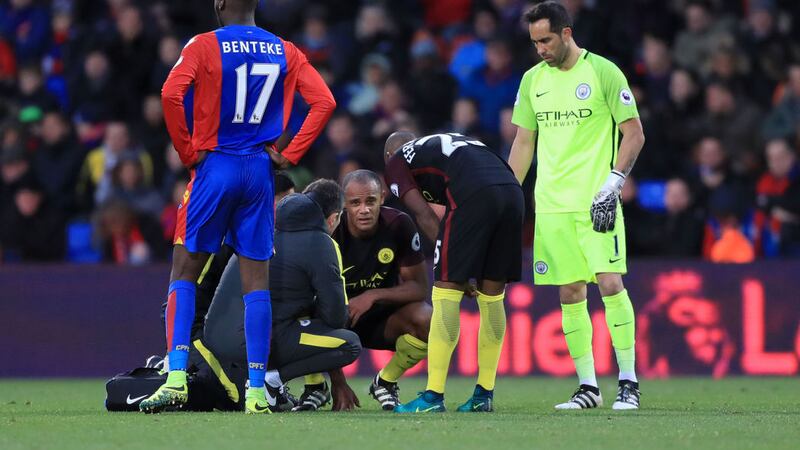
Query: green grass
{"x": 684, "y": 413}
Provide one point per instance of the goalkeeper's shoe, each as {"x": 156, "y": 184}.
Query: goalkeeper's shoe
{"x": 385, "y": 393}
{"x": 172, "y": 397}
{"x": 585, "y": 397}
{"x": 314, "y": 397}
{"x": 627, "y": 395}
{"x": 280, "y": 399}
{"x": 481, "y": 401}
{"x": 255, "y": 401}
{"x": 427, "y": 401}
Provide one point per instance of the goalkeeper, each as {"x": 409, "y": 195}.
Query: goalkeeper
{"x": 572, "y": 106}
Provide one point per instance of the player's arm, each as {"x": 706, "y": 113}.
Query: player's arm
{"x": 522, "y": 150}
{"x": 524, "y": 118}
{"x": 316, "y": 94}
{"x": 325, "y": 266}
{"x": 622, "y": 106}
{"x": 630, "y": 146}
{"x": 427, "y": 219}
{"x": 180, "y": 79}
{"x": 412, "y": 288}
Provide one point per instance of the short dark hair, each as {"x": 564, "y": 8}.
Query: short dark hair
{"x": 553, "y": 11}
{"x": 362, "y": 176}
{"x": 327, "y": 194}
{"x": 283, "y": 182}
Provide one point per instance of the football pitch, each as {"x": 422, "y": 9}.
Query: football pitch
{"x": 679, "y": 413}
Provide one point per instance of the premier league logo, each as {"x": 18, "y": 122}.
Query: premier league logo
{"x": 540, "y": 267}
{"x": 583, "y": 91}
{"x": 625, "y": 97}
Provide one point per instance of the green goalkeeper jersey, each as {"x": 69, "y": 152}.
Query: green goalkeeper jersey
{"x": 575, "y": 114}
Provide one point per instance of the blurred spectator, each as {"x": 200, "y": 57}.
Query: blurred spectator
{"x": 769, "y": 50}
{"x": 153, "y": 135}
{"x": 169, "y": 50}
{"x": 14, "y": 169}
{"x": 376, "y": 33}
{"x": 725, "y": 238}
{"x": 57, "y": 162}
{"x": 787, "y": 212}
{"x": 587, "y": 26}
{"x": 119, "y": 235}
{"x": 8, "y": 66}
{"x": 343, "y": 145}
{"x": 132, "y": 55}
{"x": 704, "y": 33}
{"x": 322, "y": 45}
{"x": 445, "y": 13}
{"x": 470, "y": 51}
{"x": 464, "y": 118}
{"x": 494, "y": 86}
{"x": 657, "y": 70}
{"x": 32, "y": 91}
{"x": 91, "y": 92}
{"x": 736, "y": 122}
{"x": 784, "y": 120}
{"x": 782, "y": 170}
{"x": 681, "y": 228}
{"x": 363, "y": 95}
{"x": 27, "y": 25}
{"x": 431, "y": 88}
{"x": 129, "y": 186}
{"x": 391, "y": 111}
{"x": 32, "y": 230}
{"x": 95, "y": 181}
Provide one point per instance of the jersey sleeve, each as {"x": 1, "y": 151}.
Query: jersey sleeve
{"x": 316, "y": 93}
{"x": 524, "y": 115}
{"x": 408, "y": 242}
{"x": 398, "y": 176}
{"x": 616, "y": 92}
{"x": 180, "y": 79}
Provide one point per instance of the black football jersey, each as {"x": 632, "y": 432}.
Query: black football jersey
{"x": 375, "y": 262}
{"x": 446, "y": 168}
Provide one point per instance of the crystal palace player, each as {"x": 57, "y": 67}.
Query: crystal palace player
{"x": 479, "y": 237}
{"x": 244, "y": 79}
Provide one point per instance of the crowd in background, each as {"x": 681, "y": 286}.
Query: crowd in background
{"x": 88, "y": 172}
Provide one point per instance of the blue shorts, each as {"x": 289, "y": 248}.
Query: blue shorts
{"x": 230, "y": 197}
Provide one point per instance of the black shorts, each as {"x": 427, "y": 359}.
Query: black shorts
{"x": 300, "y": 339}
{"x": 482, "y": 237}
{"x": 371, "y": 327}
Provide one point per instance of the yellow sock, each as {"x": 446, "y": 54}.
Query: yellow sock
{"x": 621, "y": 323}
{"x": 577, "y": 326}
{"x": 314, "y": 378}
{"x": 490, "y": 337}
{"x": 408, "y": 352}
{"x": 443, "y": 337}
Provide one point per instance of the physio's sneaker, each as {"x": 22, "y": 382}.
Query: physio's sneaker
{"x": 173, "y": 397}
{"x": 627, "y": 395}
{"x": 481, "y": 401}
{"x": 385, "y": 393}
{"x": 279, "y": 398}
{"x": 255, "y": 401}
{"x": 314, "y": 397}
{"x": 427, "y": 401}
{"x": 585, "y": 397}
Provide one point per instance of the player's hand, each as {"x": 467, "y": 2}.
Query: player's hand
{"x": 344, "y": 399}
{"x": 359, "y": 305}
{"x": 604, "y": 205}
{"x": 279, "y": 160}
{"x": 201, "y": 155}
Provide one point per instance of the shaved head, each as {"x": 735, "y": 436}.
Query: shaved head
{"x": 395, "y": 141}
{"x": 236, "y": 12}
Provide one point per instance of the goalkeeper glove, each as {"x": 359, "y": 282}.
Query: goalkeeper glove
{"x": 604, "y": 205}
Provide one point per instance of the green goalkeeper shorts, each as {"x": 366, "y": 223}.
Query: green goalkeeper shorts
{"x": 566, "y": 249}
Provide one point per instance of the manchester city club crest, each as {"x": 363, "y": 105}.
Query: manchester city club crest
{"x": 540, "y": 267}
{"x": 583, "y": 91}
{"x": 386, "y": 255}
